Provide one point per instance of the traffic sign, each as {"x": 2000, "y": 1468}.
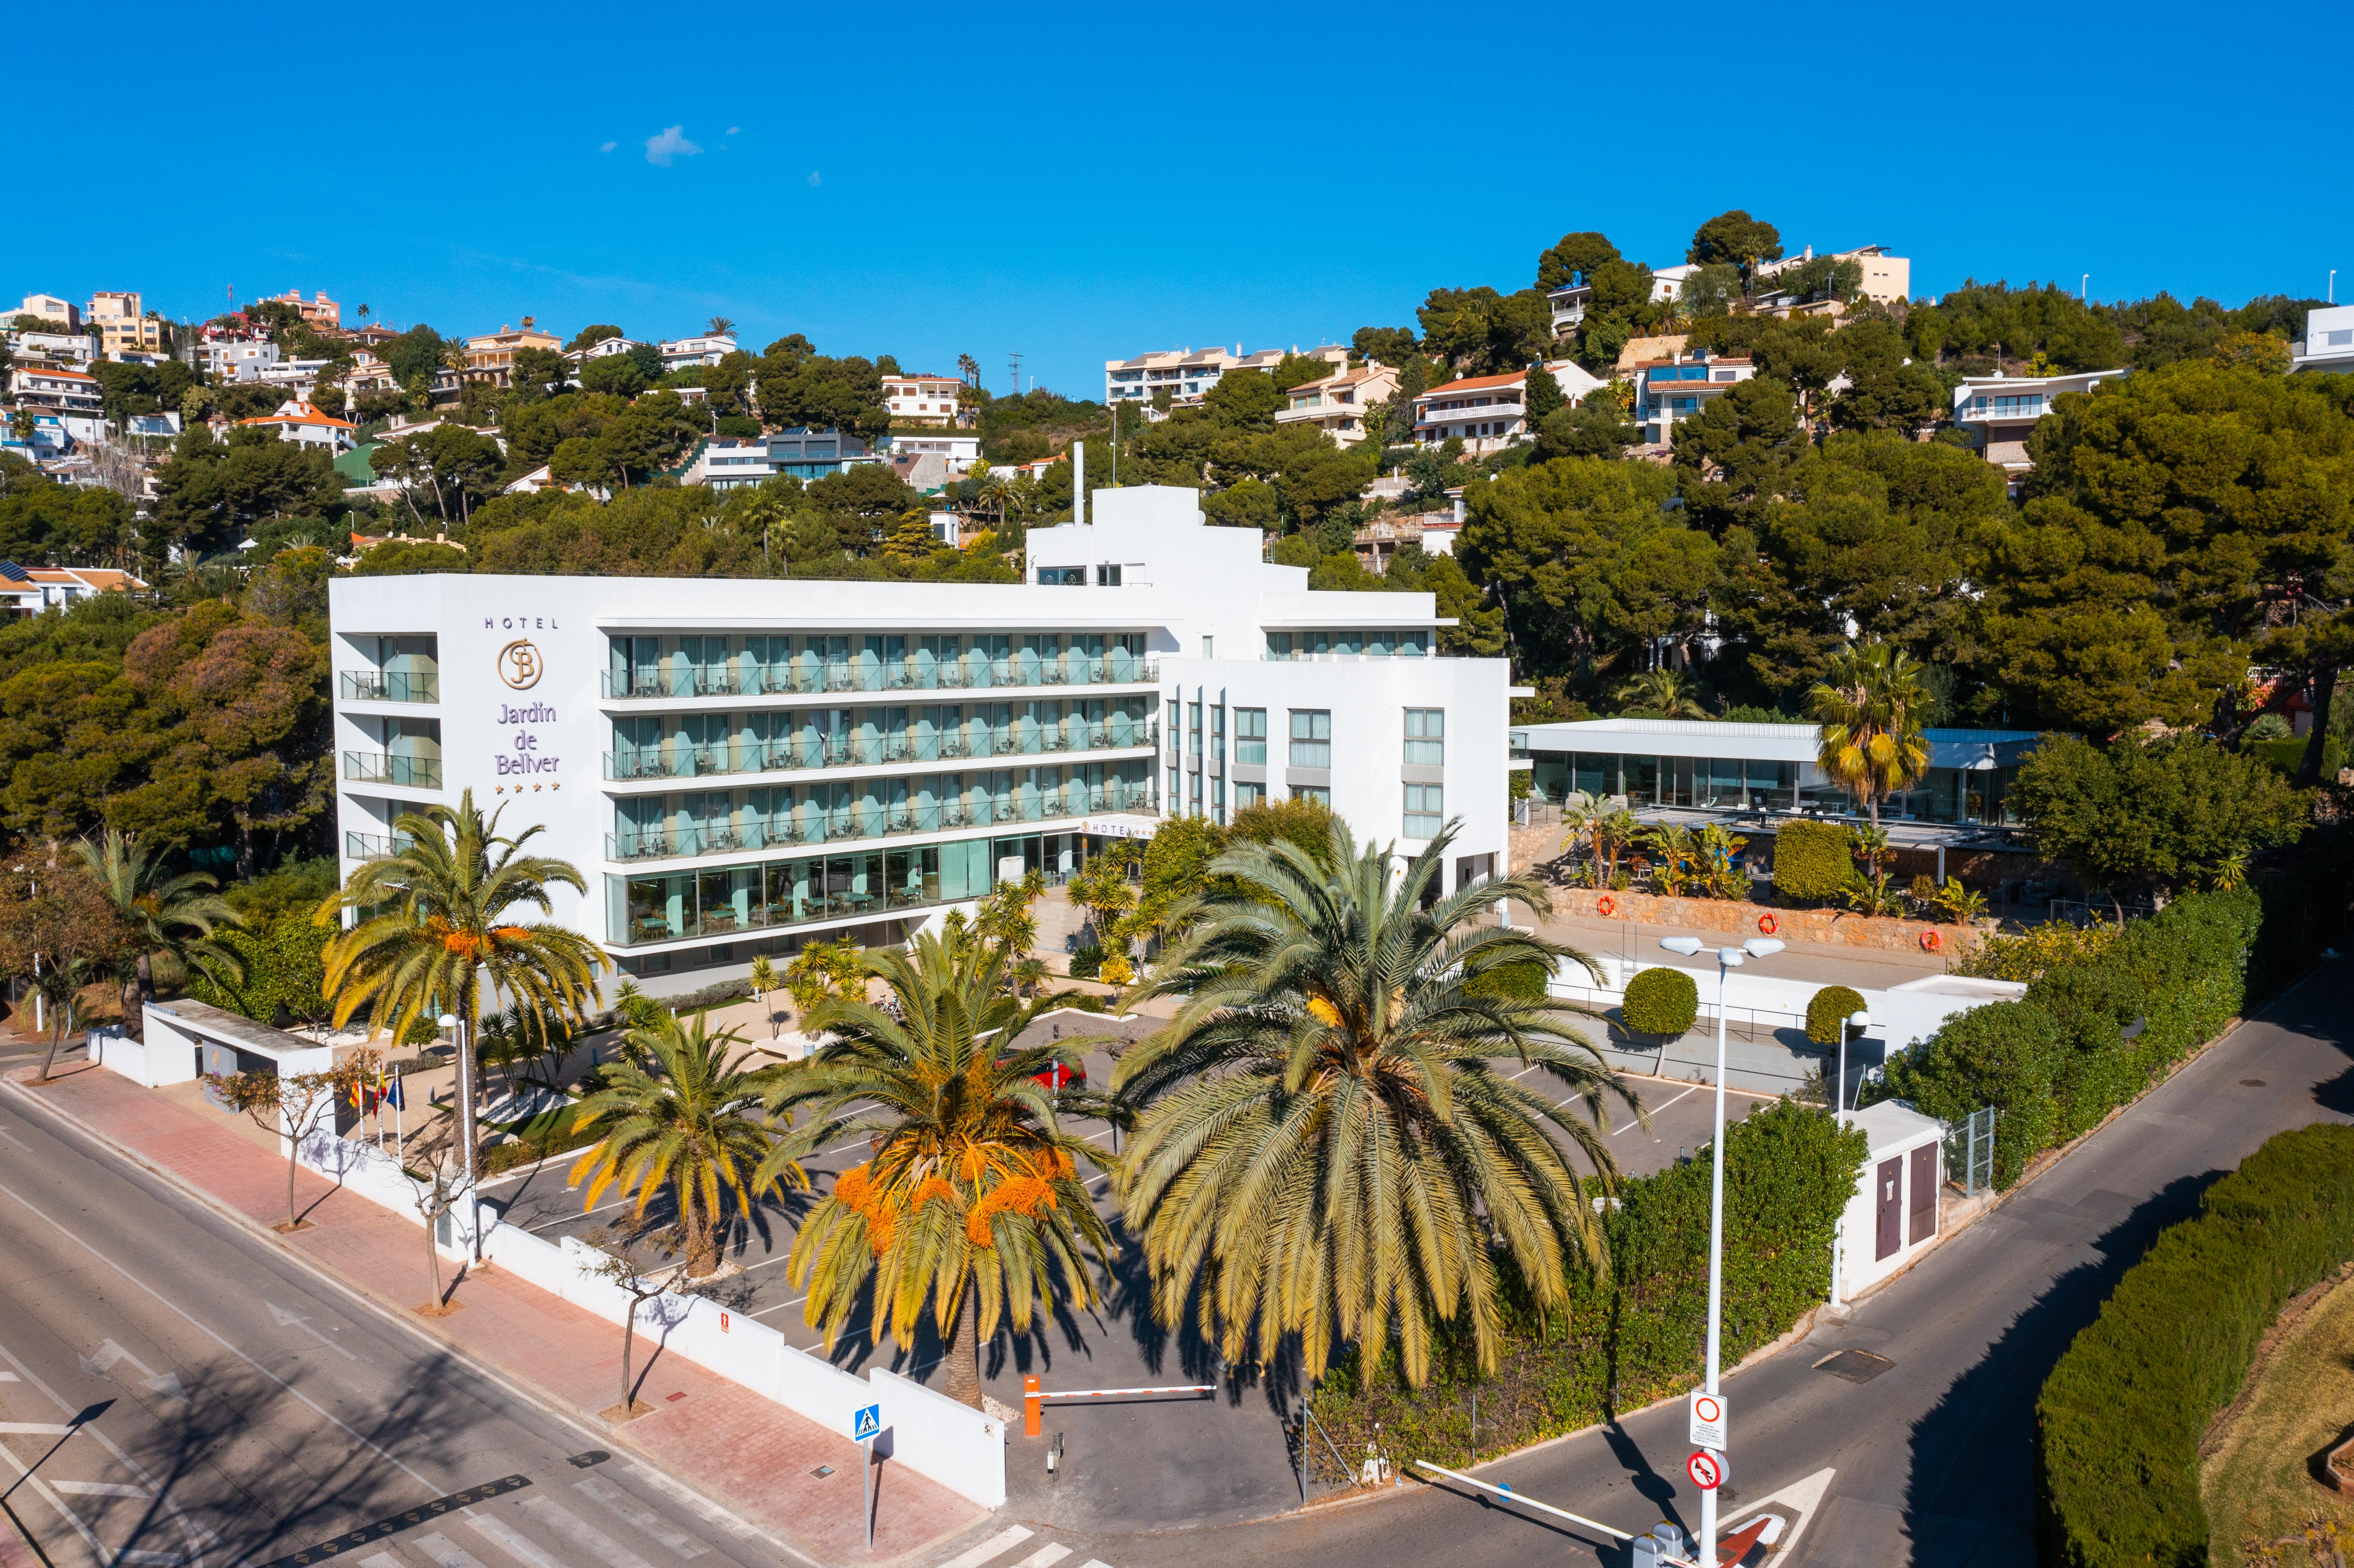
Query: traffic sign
{"x": 867, "y": 1423}
{"x": 1707, "y": 1469}
{"x": 1708, "y": 1420}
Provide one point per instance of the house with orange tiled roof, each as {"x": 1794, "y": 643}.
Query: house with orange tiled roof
{"x": 300, "y": 422}
{"x": 1488, "y": 413}
{"x": 28, "y": 590}
{"x": 56, "y": 389}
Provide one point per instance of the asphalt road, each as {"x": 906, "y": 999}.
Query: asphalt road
{"x": 1932, "y": 1457}
{"x": 177, "y": 1393}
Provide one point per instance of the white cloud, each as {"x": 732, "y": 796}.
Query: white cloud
{"x": 608, "y": 146}
{"x": 813, "y": 179}
{"x": 733, "y": 128}
{"x": 671, "y": 145}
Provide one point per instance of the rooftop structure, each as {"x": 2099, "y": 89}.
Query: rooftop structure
{"x": 2328, "y": 341}
{"x": 1337, "y": 404}
{"x": 1187, "y": 374}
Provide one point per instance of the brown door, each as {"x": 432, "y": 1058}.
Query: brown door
{"x": 1923, "y": 1221}
{"x": 1890, "y": 1208}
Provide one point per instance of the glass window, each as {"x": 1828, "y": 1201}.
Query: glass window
{"x": 1426, "y": 809}
{"x": 1316, "y": 793}
{"x": 1218, "y": 732}
{"x": 1217, "y": 801}
{"x": 1194, "y": 728}
{"x": 1426, "y": 737}
{"x": 1249, "y": 795}
{"x": 1311, "y": 738}
{"x": 1250, "y": 735}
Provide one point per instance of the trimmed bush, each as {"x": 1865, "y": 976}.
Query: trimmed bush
{"x": 1811, "y": 860}
{"x": 1828, "y": 1012}
{"x": 1661, "y": 1001}
{"x": 2119, "y": 1419}
{"x": 1640, "y": 1332}
{"x": 1523, "y": 982}
{"x": 2054, "y": 1063}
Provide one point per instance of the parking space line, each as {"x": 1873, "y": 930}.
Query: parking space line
{"x": 1660, "y": 1106}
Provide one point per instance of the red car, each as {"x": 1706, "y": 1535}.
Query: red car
{"x": 1060, "y": 1076}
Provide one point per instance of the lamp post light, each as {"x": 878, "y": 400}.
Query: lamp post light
{"x": 1859, "y": 1021}
{"x": 1727, "y": 960}
{"x": 457, "y": 1026}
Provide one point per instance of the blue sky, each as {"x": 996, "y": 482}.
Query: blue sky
{"x": 1077, "y": 184}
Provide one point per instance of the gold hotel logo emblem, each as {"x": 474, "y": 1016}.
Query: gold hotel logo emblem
{"x": 519, "y": 665}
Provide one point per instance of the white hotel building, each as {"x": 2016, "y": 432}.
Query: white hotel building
{"x": 736, "y": 766}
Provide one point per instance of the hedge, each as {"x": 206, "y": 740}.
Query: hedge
{"x": 1828, "y": 1012}
{"x": 1661, "y": 1001}
{"x": 2054, "y": 1063}
{"x": 1811, "y": 860}
{"x": 2119, "y": 1420}
{"x": 1638, "y": 1334}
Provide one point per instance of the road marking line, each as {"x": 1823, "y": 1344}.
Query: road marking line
{"x": 223, "y": 1343}
{"x": 34, "y": 1429}
{"x": 1095, "y": 1562}
{"x": 1046, "y": 1556}
{"x": 649, "y": 1523}
{"x": 567, "y": 1218}
{"x": 199, "y": 1536}
{"x": 1657, "y": 1108}
{"x": 443, "y": 1552}
{"x": 382, "y": 1560}
{"x": 9, "y": 1377}
{"x": 1004, "y": 1540}
{"x": 581, "y": 1532}
{"x": 516, "y": 1543}
{"x": 102, "y": 1489}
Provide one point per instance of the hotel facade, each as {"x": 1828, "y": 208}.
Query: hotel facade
{"x": 737, "y": 767}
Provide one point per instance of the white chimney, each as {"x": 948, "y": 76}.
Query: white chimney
{"x": 1078, "y": 481}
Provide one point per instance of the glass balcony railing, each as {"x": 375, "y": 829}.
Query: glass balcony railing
{"x": 907, "y": 675}
{"x": 786, "y": 755}
{"x": 374, "y": 846}
{"x": 376, "y": 768}
{"x": 390, "y": 686}
{"x": 856, "y": 823}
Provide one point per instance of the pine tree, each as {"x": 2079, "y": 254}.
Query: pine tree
{"x": 1543, "y": 396}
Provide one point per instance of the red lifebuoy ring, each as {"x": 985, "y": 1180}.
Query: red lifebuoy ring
{"x": 1768, "y": 925}
{"x": 1930, "y": 940}
{"x": 1608, "y": 906}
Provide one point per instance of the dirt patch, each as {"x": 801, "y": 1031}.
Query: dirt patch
{"x": 2261, "y": 1459}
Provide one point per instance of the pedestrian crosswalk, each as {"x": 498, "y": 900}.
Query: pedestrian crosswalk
{"x": 590, "y": 1523}
{"x": 988, "y": 1551}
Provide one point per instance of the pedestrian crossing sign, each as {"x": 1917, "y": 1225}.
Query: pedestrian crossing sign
{"x": 867, "y": 1423}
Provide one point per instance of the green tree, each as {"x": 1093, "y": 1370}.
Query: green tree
{"x": 1869, "y": 706}
{"x": 970, "y": 1201}
{"x": 589, "y": 337}
{"x": 2154, "y": 817}
{"x": 175, "y": 914}
{"x": 672, "y": 1114}
{"x": 1324, "y": 1146}
{"x": 1596, "y": 427}
{"x": 437, "y": 929}
{"x": 1665, "y": 693}
{"x": 1541, "y": 395}
{"x": 1245, "y": 399}
{"x": 209, "y": 490}
{"x": 1573, "y": 259}
{"x": 1735, "y": 239}
{"x": 1731, "y": 456}
{"x": 60, "y": 933}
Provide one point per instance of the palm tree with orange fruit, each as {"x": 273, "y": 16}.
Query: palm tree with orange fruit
{"x": 438, "y": 926}
{"x": 970, "y": 1209}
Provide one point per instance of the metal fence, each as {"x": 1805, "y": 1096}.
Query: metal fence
{"x": 2081, "y": 912}
{"x": 1969, "y": 1152}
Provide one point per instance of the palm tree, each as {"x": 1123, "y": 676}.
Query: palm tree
{"x": 1670, "y": 693}
{"x": 682, "y": 1122}
{"x": 970, "y": 1202}
{"x": 436, "y": 930}
{"x": 1870, "y": 704}
{"x": 170, "y": 914}
{"x": 1585, "y": 818}
{"x": 1325, "y": 1145}
{"x": 719, "y": 326}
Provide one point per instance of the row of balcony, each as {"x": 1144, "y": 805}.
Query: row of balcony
{"x": 390, "y": 686}
{"x": 410, "y": 772}
{"x": 907, "y": 675}
{"x": 857, "y": 822}
{"x": 374, "y": 846}
{"x": 849, "y": 751}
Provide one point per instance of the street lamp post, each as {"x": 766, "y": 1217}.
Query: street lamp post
{"x": 457, "y": 1026}
{"x": 1727, "y": 960}
{"x": 1858, "y": 1020}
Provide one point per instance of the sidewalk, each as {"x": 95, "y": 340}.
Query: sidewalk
{"x": 743, "y": 1451}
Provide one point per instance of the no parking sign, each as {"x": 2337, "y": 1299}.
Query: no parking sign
{"x": 1707, "y": 1469}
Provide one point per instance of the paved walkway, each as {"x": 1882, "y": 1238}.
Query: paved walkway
{"x": 735, "y": 1446}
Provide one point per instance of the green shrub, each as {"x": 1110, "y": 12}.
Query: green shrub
{"x": 1523, "y": 982}
{"x": 1087, "y": 961}
{"x": 283, "y": 969}
{"x": 2119, "y": 1420}
{"x": 1661, "y": 1001}
{"x": 1811, "y": 860}
{"x": 1639, "y": 1332}
{"x": 2055, "y": 1063}
{"x": 1828, "y": 1012}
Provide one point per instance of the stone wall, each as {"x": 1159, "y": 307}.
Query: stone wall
{"x": 1834, "y": 925}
